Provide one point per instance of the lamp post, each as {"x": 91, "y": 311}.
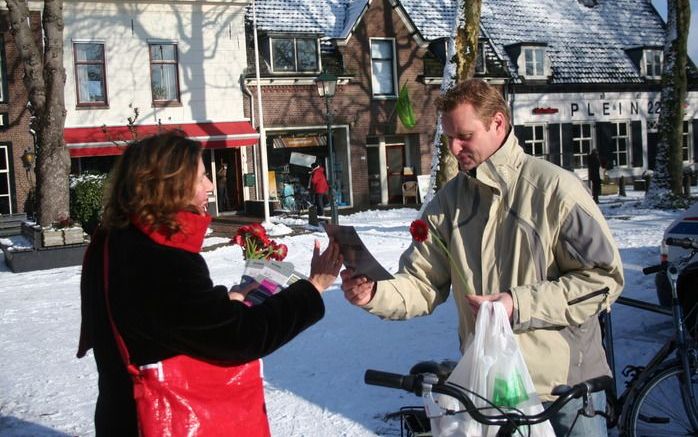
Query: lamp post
{"x": 326, "y": 86}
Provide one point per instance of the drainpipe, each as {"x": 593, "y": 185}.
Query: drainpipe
{"x": 262, "y": 133}
{"x": 246, "y": 90}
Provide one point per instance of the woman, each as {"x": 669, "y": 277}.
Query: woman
{"x": 161, "y": 298}
{"x": 319, "y": 187}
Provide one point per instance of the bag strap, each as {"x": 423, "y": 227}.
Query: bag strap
{"x": 120, "y": 343}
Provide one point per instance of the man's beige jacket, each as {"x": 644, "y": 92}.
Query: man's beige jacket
{"x": 529, "y": 227}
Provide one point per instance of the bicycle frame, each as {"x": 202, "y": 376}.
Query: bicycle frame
{"x": 685, "y": 353}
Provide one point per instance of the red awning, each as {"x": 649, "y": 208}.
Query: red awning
{"x": 111, "y": 140}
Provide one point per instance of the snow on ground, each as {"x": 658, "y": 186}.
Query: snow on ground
{"x": 314, "y": 385}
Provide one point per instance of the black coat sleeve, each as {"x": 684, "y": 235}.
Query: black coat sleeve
{"x": 165, "y": 304}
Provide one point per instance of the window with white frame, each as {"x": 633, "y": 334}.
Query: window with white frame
{"x": 686, "y": 143}
{"x": 5, "y": 195}
{"x": 582, "y": 143}
{"x": 294, "y": 54}
{"x": 90, "y": 74}
{"x": 383, "y": 67}
{"x": 620, "y": 141}
{"x": 164, "y": 73}
{"x": 534, "y": 140}
{"x": 653, "y": 63}
{"x": 534, "y": 61}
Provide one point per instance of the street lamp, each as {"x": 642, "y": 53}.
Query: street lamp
{"x": 326, "y": 86}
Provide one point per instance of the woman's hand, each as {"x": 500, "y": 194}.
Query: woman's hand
{"x": 325, "y": 266}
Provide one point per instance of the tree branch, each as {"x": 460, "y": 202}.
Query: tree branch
{"x": 29, "y": 53}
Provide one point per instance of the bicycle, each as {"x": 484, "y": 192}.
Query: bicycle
{"x": 510, "y": 422}
{"x": 648, "y": 403}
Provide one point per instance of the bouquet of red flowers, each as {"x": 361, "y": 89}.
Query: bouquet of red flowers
{"x": 257, "y": 245}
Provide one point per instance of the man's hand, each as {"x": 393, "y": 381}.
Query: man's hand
{"x": 358, "y": 290}
{"x": 505, "y": 298}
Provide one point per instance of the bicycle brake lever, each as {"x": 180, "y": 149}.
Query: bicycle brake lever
{"x": 588, "y": 403}
{"x": 431, "y": 408}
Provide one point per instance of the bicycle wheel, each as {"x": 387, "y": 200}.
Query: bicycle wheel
{"x": 658, "y": 409}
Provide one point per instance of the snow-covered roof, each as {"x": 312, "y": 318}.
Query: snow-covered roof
{"x": 326, "y": 17}
{"x": 584, "y": 44}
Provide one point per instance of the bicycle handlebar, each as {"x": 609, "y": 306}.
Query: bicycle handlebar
{"x": 413, "y": 384}
{"x": 686, "y": 243}
{"x": 654, "y": 269}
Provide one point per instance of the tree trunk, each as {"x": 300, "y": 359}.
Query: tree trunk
{"x": 45, "y": 81}
{"x": 460, "y": 65}
{"x": 665, "y": 189}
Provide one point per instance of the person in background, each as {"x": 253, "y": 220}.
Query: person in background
{"x": 161, "y": 297}
{"x": 222, "y": 187}
{"x": 318, "y": 186}
{"x": 594, "y": 174}
{"x": 521, "y": 231}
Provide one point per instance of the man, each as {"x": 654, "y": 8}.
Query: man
{"x": 526, "y": 233}
{"x": 594, "y": 174}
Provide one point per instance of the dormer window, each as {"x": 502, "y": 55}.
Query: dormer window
{"x": 294, "y": 54}
{"x": 534, "y": 60}
{"x": 531, "y": 59}
{"x": 652, "y": 63}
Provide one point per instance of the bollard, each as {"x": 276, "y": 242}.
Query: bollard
{"x": 687, "y": 184}
{"x": 621, "y": 186}
{"x": 312, "y": 216}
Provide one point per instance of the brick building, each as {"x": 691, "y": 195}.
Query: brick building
{"x": 578, "y": 75}
{"x": 16, "y": 181}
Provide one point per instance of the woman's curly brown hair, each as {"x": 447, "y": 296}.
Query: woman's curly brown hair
{"x": 152, "y": 181}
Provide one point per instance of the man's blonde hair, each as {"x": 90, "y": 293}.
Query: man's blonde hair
{"x": 486, "y": 100}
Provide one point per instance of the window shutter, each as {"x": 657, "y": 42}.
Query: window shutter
{"x": 604, "y": 134}
{"x": 520, "y": 132}
{"x": 567, "y": 147}
{"x": 636, "y": 133}
{"x": 554, "y": 143}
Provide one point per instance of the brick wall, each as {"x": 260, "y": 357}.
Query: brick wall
{"x": 15, "y": 104}
{"x": 353, "y": 105}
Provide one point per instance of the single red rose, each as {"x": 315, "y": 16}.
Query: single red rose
{"x": 419, "y": 230}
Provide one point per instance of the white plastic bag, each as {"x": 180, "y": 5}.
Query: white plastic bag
{"x": 493, "y": 367}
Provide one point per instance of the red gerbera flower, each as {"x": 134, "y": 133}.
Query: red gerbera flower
{"x": 419, "y": 230}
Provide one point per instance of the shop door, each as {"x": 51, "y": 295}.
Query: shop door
{"x": 229, "y": 180}
{"x": 395, "y": 163}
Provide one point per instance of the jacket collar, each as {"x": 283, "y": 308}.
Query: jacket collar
{"x": 190, "y": 236}
{"x": 502, "y": 168}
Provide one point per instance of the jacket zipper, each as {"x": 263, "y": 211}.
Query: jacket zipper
{"x": 577, "y": 300}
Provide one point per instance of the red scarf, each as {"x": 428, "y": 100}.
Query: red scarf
{"x": 190, "y": 237}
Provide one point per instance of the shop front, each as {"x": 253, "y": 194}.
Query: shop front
{"x": 291, "y": 154}
{"x": 393, "y": 161}
{"x": 622, "y": 126}
{"x": 225, "y": 153}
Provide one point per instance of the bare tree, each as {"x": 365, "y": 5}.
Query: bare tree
{"x": 44, "y": 79}
{"x": 665, "y": 190}
{"x": 460, "y": 65}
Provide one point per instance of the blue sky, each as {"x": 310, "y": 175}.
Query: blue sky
{"x": 660, "y": 5}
